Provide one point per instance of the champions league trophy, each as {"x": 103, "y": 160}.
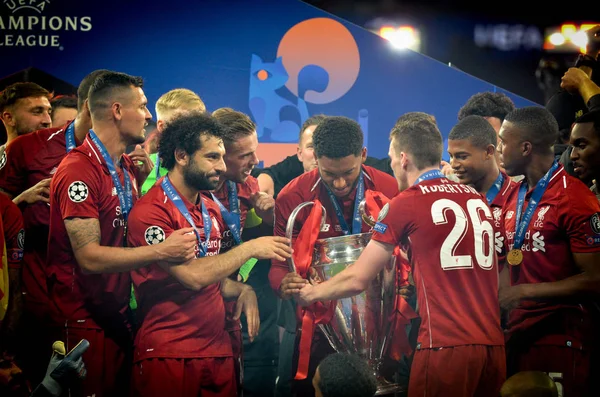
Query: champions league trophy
{"x": 360, "y": 324}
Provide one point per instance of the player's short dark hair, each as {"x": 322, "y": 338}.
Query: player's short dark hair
{"x": 234, "y": 124}
{"x": 346, "y": 375}
{"x": 337, "y": 137}
{"x": 591, "y": 117}
{"x": 184, "y": 133}
{"x": 312, "y": 120}
{"x": 476, "y": 129}
{"x": 537, "y": 125}
{"x": 417, "y": 133}
{"x": 84, "y": 87}
{"x": 16, "y": 91}
{"x": 64, "y": 101}
{"x": 487, "y": 104}
{"x": 107, "y": 86}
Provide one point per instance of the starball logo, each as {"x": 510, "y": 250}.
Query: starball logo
{"x": 28, "y": 26}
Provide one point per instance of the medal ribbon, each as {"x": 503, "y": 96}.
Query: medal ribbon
{"x": 125, "y": 194}
{"x": 521, "y": 225}
{"x": 178, "y": 202}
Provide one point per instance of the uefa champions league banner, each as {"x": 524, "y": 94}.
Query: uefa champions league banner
{"x": 280, "y": 61}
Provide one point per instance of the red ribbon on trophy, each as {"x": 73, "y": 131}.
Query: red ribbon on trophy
{"x": 403, "y": 312}
{"x": 318, "y": 312}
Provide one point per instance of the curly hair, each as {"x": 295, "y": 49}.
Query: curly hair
{"x": 346, "y": 375}
{"x": 337, "y": 137}
{"x": 185, "y": 133}
{"x": 487, "y": 104}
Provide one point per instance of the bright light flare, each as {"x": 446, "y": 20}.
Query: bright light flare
{"x": 402, "y": 37}
{"x": 557, "y": 38}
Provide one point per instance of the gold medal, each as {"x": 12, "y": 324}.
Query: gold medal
{"x": 514, "y": 257}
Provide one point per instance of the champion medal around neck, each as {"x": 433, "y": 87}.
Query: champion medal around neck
{"x": 514, "y": 257}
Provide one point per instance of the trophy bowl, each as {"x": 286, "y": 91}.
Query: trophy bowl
{"x": 361, "y": 323}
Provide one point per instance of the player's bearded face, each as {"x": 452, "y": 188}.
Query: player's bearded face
{"x": 31, "y": 114}
{"x": 198, "y": 178}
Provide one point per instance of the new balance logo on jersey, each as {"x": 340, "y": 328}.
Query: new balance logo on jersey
{"x": 53, "y": 171}
{"x": 539, "y": 223}
{"x": 113, "y": 191}
{"x": 325, "y": 227}
{"x": 538, "y": 242}
{"x": 510, "y": 214}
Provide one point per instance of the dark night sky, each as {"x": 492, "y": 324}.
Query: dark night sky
{"x": 449, "y": 26}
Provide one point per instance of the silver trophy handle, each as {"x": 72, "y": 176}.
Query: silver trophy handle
{"x": 363, "y": 215}
{"x": 289, "y": 229}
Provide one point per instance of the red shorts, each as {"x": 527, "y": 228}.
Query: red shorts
{"x": 461, "y": 371}
{"x": 206, "y": 377}
{"x": 569, "y": 366}
{"x": 107, "y": 363}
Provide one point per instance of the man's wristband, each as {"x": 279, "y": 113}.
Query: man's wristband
{"x": 246, "y": 268}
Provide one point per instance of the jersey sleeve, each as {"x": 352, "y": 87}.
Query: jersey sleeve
{"x": 13, "y": 174}
{"x": 395, "y": 220}
{"x": 579, "y": 212}
{"x": 14, "y": 234}
{"x": 149, "y": 224}
{"x": 76, "y": 189}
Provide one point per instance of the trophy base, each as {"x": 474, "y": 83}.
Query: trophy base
{"x": 385, "y": 388}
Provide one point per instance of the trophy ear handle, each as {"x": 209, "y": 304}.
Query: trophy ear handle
{"x": 363, "y": 214}
{"x": 289, "y": 229}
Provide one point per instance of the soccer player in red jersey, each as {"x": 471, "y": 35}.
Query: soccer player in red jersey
{"x": 91, "y": 195}
{"x": 446, "y": 230}
{"x": 32, "y": 161}
{"x": 339, "y": 183}
{"x": 236, "y": 194}
{"x": 13, "y": 240}
{"x": 181, "y": 305}
{"x": 24, "y": 108}
{"x": 472, "y": 147}
{"x": 552, "y": 229}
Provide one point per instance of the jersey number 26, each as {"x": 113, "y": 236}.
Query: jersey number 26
{"x": 483, "y": 234}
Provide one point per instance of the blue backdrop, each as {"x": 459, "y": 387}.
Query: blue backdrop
{"x": 277, "y": 60}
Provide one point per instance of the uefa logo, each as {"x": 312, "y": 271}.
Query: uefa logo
{"x": 35, "y": 5}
